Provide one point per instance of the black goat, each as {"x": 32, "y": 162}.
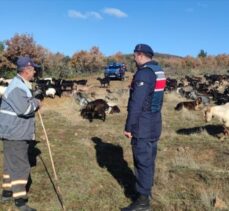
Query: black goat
{"x": 114, "y": 109}
{"x": 104, "y": 81}
{"x": 67, "y": 85}
{"x": 95, "y": 109}
{"x": 41, "y": 83}
{"x": 81, "y": 82}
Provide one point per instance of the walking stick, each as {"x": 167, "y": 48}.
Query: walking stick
{"x": 53, "y": 166}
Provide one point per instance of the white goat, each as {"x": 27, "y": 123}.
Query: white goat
{"x": 221, "y": 112}
{"x": 50, "y": 92}
{"x": 7, "y": 80}
{"x": 2, "y": 90}
{"x": 113, "y": 108}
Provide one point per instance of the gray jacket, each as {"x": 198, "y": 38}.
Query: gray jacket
{"x": 17, "y": 112}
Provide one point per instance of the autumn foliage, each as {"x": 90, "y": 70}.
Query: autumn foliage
{"x": 91, "y": 61}
{"x": 61, "y": 66}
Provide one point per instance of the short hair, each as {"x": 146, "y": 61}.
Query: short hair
{"x": 148, "y": 55}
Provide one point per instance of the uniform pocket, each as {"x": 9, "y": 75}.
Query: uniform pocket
{"x": 149, "y": 125}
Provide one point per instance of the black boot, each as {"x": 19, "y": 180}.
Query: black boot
{"x": 141, "y": 204}
{"x": 22, "y": 206}
{"x": 6, "y": 196}
{"x": 26, "y": 208}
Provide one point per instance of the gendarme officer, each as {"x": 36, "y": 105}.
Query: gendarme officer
{"x": 144, "y": 122}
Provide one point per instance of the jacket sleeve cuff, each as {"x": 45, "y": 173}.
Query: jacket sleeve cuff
{"x": 35, "y": 103}
{"x": 127, "y": 128}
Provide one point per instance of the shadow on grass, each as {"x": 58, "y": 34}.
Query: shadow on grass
{"x": 110, "y": 156}
{"x": 33, "y": 153}
{"x": 213, "y": 130}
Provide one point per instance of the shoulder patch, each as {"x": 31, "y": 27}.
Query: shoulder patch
{"x": 140, "y": 83}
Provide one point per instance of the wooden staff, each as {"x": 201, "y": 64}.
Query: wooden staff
{"x": 51, "y": 158}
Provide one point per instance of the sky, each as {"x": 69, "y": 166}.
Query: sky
{"x": 177, "y": 27}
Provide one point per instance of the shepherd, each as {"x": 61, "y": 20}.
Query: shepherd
{"x": 17, "y": 130}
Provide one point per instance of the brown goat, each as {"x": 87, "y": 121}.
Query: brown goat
{"x": 190, "y": 105}
{"x": 95, "y": 109}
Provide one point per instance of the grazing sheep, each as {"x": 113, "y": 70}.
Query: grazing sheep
{"x": 221, "y": 112}
{"x": 95, "y": 109}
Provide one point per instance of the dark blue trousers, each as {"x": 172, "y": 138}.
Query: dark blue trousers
{"x": 144, "y": 155}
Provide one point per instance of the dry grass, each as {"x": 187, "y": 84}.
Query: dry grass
{"x": 94, "y": 160}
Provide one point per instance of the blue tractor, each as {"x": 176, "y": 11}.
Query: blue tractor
{"x": 115, "y": 71}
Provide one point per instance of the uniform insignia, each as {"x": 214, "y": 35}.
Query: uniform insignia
{"x": 140, "y": 83}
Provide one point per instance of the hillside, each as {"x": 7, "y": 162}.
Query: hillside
{"x": 94, "y": 160}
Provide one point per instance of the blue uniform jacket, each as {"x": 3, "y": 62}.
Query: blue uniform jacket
{"x": 145, "y": 102}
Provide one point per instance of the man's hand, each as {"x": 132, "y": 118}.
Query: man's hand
{"x": 128, "y": 134}
{"x": 39, "y": 103}
{"x": 38, "y": 94}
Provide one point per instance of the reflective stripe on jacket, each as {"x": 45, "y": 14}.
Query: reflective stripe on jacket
{"x": 17, "y": 112}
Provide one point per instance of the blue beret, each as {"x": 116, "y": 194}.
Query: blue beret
{"x": 144, "y": 49}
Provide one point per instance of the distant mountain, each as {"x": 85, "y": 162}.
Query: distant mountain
{"x": 161, "y": 55}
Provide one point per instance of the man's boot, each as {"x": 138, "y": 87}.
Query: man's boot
{"x": 22, "y": 206}
{"x": 6, "y": 196}
{"x": 141, "y": 204}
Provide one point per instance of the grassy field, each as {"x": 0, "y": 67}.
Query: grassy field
{"x": 94, "y": 160}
